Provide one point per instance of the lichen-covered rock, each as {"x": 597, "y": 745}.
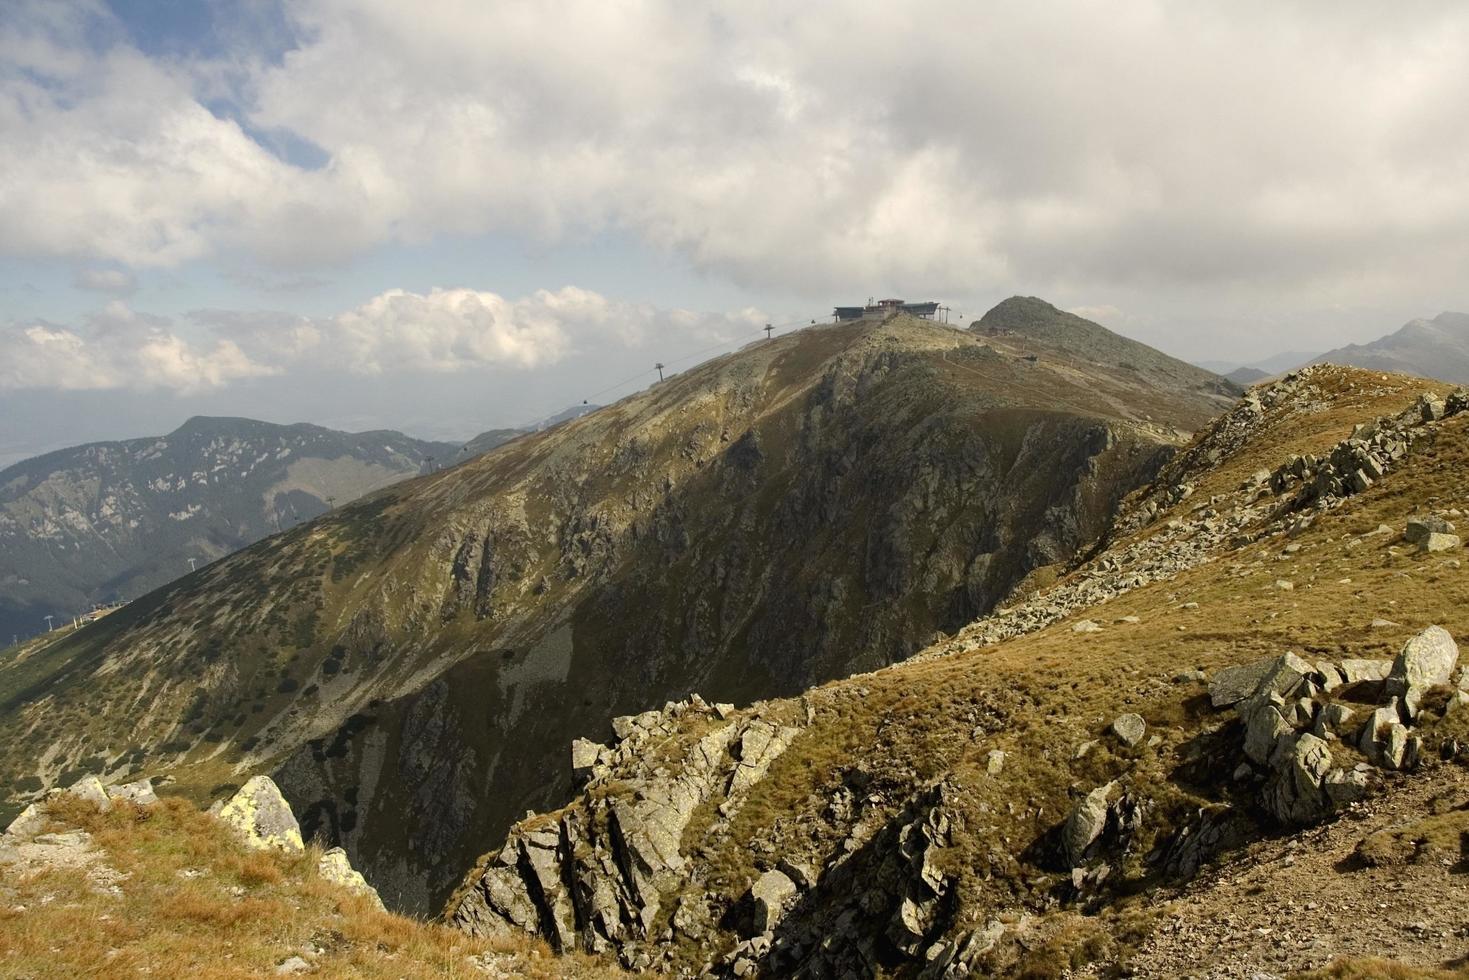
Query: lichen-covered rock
{"x": 262, "y": 817}
{"x": 334, "y": 866}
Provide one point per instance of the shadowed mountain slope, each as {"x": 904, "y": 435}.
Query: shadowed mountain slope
{"x": 412, "y": 667}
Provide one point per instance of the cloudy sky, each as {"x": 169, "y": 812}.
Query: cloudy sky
{"x": 444, "y": 216}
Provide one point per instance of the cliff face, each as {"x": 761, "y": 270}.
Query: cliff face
{"x": 415, "y": 665}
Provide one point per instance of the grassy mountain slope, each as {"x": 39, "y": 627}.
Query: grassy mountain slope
{"x": 114, "y": 520}
{"x": 1436, "y": 348}
{"x": 914, "y": 821}
{"x": 413, "y": 666}
{"x": 165, "y": 890}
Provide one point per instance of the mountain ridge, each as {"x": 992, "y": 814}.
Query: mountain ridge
{"x": 413, "y": 653}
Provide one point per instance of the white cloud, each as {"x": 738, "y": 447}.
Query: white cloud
{"x": 1295, "y": 148}
{"x": 117, "y": 348}
{"x": 397, "y": 332}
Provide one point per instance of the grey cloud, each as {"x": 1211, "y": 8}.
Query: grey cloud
{"x": 116, "y": 281}
{"x": 1259, "y": 152}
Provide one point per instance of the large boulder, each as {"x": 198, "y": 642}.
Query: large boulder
{"x": 90, "y": 788}
{"x": 771, "y": 894}
{"x": 262, "y": 817}
{"x": 1263, "y": 728}
{"x": 1282, "y": 674}
{"x": 1420, "y": 529}
{"x": 1295, "y": 793}
{"x": 1129, "y": 728}
{"x": 30, "y": 822}
{"x": 586, "y": 760}
{"x": 1356, "y": 670}
{"x": 1427, "y": 660}
{"x": 1085, "y": 823}
{"x": 334, "y": 866}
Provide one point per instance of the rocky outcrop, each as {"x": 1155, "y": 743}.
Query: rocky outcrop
{"x": 1365, "y": 456}
{"x": 262, "y": 819}
{"x": 884, "y": 901}
{"x": 596, "y": 875}
{"x": 1290, "y": 718}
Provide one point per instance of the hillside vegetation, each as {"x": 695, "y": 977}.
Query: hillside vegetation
{"x": 166, "y": 890}
{"x": 413, "y": 667}
{"x": 1066, "y": 787}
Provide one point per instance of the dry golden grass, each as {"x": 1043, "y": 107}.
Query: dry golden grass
{"x": 192, "y": 903}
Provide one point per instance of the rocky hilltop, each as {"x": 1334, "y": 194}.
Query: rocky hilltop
{"x": 1043, "y": 327}
{"x": 114, "y": 520}
{"x": 412, "y": 667}
{"x": 1230, "y": 743}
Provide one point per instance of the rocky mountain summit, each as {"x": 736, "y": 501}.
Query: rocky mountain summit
{"x": 410, "y": 668}
{"x": 114, "y": 520}
{"x": 1227, "y": 670}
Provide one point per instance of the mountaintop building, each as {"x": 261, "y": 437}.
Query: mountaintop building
{"x": 884, "y": 307}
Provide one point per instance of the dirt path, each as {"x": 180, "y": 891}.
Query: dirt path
{"x": 1296, "y": 903}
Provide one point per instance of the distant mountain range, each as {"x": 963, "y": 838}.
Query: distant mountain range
{"x": 113, "y": 520}
{"x": 1247, "y": 374}
{"x": 1436, "y": 348}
